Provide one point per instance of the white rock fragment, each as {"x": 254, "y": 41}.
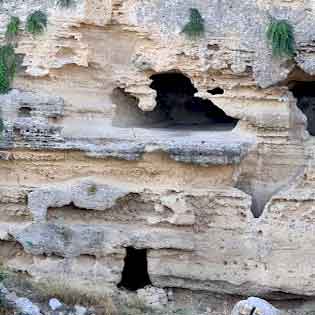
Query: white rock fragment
{"x": 153, "y": 297}
{"x": 80, "y": 310}
{"x": 25, "y": 306}
{"x": 54, "y": 304}
{"x": 255, "y": 306}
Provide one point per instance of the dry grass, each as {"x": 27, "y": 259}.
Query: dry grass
{"x": 5, "y": 311}
{"x": 134, "y": 306}
{"x": 70, "y": 296}
{"x": 42, "y": 292}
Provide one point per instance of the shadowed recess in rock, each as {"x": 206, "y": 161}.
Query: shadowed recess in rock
{"x": 135, "y": 273}
{"x": 9, "y": 249}
{"x": 216, "y": 91}
{"x": 304, "y": 92}
{"x": 176, "y": 107}
{"x": 25, "y": 111}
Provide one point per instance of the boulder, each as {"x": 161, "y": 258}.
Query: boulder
{"x": 255, "y": 306}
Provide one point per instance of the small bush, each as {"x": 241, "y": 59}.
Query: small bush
{"x": 3, "y": 275}
{"x": 36, "y": 22}
{"x": 65, "y": 3}
{"x": 7, "y": 67}
{"x": 4, "y": 310}
{"x": 195, "y": 27}
{"x": 12, "y": 28}
{"x": 1, "y": 127}
{"x": 92, "y": 189}
{"x": 280, "y": 35}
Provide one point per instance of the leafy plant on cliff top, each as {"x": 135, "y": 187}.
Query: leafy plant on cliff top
{"x": 281, "y": 37}
{"x": 12, "y": 28}
{"x": 36, "y": 22}
{"x": 195, "y": 27}
{"x": 7, "y": 67}
{"x": 65, "y": 3}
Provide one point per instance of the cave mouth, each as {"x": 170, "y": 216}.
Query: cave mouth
{"x": 135, "y": 272}
{"x": 176, "y": 107}
{"x": 304, "y": 92}
{"x": 25, "y": 111}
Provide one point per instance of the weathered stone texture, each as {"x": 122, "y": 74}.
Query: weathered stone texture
{"x": 227, "y": 211}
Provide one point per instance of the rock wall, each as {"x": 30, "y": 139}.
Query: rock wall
{"x": 219, "y": 211}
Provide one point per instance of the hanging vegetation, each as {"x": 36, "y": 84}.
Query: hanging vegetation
{"x": 1, "y": 130}
{"x": 281, "y": 37}
{"x": 195, "y": 27}
{"x": 7, "y": 67}
{"x": 36, "y": 22}
{"x": 12, "y": 29}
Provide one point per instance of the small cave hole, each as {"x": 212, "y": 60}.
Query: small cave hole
{"x": 304, "y": 92}
{"x": 259, "y": 196}
{"x": 25, "y": 111}
{"x": 53, "y": 120}
{"x": 135, "y": 272}
{"x": 216, "y": 91}
{"x": 177, "y": 107}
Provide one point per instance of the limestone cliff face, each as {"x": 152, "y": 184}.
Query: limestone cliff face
{"x": 92, "y": 163}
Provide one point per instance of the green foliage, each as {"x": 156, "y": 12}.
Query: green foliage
{"x": 36, "y": 22}
{"x": 3, "y": 275}
{"x": 29, "y": 243}
{"x": 1, "y": 127}
{"x": 4, "y": 80}
{"x": 7, "y": 67}
{"x": 65, "y": 3}
{"x": 12, "y": 28}
{"x": 195, "y": 27}
{"x": 92, "y": 189}
{"x": 280, "y": 35}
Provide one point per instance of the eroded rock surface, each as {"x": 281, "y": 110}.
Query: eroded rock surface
{"x": 210, "y": 176}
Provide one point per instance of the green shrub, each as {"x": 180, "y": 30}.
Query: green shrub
{"x": 1, "y": 127}
{"x": 36, "y": 22}
{"x": 4, "y": 81}
{"x": 92, "y": 190}
{"x": 7, "y": 67}
{"x": 281, "y": 37}
{"x": 195, "y": 27}
{"x": 29, "y": 243}
{"x": 65, "y": 3}
{"x": 12, "y": 28}
{"x": 3, "y": 276}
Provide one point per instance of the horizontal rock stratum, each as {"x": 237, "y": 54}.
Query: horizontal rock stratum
{"x": 130, "y": 148}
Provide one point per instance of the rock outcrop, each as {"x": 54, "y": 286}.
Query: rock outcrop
{"x": 20, "y": 304}
{"x": 254, "y": 306}
{"x": 121, "y": 133}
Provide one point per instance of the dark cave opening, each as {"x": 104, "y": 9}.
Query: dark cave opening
{"x": 176, "y": 107}
{"x": 25, "y": 111}
{"x": 304, "y": 92}
{"x": 216, "y": 91}
{"x": 135, "y": 272}
{"x": 177, "y": 103}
